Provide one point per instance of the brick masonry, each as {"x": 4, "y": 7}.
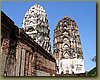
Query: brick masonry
{"x": 21, "y": 56}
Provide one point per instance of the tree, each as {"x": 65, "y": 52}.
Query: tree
{"x": 94, "y": 59}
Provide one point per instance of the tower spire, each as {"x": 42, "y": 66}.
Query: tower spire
{"x": 35, "y": 24}
{"x": 67, "y": 47}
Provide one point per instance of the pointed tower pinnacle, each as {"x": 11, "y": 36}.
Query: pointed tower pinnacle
{"x": 35, "y": 24}
{"x": 67, "y": 47}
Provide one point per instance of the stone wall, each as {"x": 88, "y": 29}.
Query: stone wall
{"x": 21, "y": 56}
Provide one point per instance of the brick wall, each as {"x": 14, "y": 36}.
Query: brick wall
{"x": 21, "y": 56}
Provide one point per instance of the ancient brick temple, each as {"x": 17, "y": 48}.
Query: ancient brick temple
{"x": 21, "y": 55}
{"x": 35, "y": 24}
{"x": 67, "y": 47}
{"x": 27, "y": 51}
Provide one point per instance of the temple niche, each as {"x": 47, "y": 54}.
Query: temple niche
{"x": 35, "y": 24}
{"x": 67, "y": 47}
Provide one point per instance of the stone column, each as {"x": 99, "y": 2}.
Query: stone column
{"x": 18, "y": 60}
{"x": 22, "y": 62}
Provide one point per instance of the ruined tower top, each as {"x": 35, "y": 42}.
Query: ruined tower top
{"x": 35, "y": 24}
{"x": 67, "y": 48}
{"x": 34, "y": 11}
{"x": 68, "y": 38}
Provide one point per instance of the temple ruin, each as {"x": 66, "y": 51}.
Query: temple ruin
{"x": 67, "y": 47}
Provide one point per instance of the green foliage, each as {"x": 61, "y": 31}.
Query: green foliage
{"x": 92, "y": 72}
{"x": 94, "y": 59}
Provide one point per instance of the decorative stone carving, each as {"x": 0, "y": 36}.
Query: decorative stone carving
{"x": 35, "y": 24}
{"x": 71, "y": 48}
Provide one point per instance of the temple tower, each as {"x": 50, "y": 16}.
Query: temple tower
{"x": 67, "y": 48}
{"x": 35, "y": 24}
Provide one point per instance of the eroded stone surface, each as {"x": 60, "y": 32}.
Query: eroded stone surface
{"x": 67, "y": 46}
{"x": 35, "y": 24}
{"x": 21, "y": 55}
